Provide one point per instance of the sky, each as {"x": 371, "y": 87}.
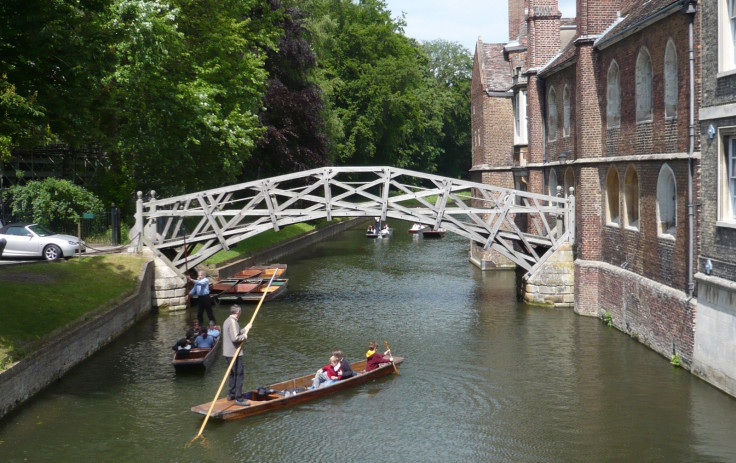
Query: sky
{"x": 460, "y": 20}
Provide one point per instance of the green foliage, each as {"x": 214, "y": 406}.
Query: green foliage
{"x": 675, "y": 360}
{"x": 43, "y": 201}
{"x": 607, "y": 319}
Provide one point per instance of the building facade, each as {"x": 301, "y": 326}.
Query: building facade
{"x": 612, "y": 101}
{"x": 714, "y": 355}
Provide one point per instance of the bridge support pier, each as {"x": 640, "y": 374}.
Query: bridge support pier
{"x": 554, "y": 282}
{"x": 168, "y": 290}
{"x": 490, "y": 259}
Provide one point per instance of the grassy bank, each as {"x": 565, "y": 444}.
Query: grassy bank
{"x": 40, "y": 298}
{"x": 249, "y": 247}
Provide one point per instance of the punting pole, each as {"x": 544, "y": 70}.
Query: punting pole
{"x": 230, "y": 367}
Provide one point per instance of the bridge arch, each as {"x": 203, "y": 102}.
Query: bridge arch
{"x": 525, "y": 227}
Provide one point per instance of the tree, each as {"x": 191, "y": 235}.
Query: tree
{"x": 452, "y": 66}
{"x": 43, "y": 201}
{"x": 295, "y": 137}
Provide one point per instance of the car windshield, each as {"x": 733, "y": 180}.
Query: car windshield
{"x": 40, "y": 231}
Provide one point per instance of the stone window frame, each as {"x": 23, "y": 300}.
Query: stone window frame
{"x": 726, "y": 37}
{"x": 632, "y": 199}
{"x": 520, "y": 118}
{"x": 552, "y": 114}
{"x": 666, "y": 202}
{"x": 671, "y": 90}
{"x": 613, "y": 196}
{"x": 644, "y": 87}
{"x": 566, "y": 111}
{"x": 613, "y": 96}
{"x": 727, "y": 177}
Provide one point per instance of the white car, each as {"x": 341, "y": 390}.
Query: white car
{"x": 32, "y": 240}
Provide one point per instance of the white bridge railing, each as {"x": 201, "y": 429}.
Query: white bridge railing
{"x": 187, "y": 229}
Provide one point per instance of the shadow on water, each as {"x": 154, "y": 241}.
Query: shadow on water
{"x": 486, "y": 378}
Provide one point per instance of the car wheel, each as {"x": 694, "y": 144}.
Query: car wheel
{"x": 52, "y": 252}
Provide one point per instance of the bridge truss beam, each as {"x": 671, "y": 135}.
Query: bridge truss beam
{"x": 186, "y": 230}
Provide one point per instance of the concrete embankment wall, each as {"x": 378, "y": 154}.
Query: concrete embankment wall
{"x": 49, "y": 363}
{"x": 271, "y": 254}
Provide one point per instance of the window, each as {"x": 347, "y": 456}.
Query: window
{"x": 670, "y": 80}
{"x": 569, "y": 181}
{"x": 666, "y": 201}
{"x": 726, "y": 35}
{"x": 612, "y": 192}
{"x": 727, "y": 183}
{"x": 643, "y": 86}
{"x": 631, "y": 198}
{"x": 566, "y": 112}
{"x": 520, "y": 118}
{"x": 552, "y": 114}
{"x": 553, "y": 183}
{"x": 613, "y": 96}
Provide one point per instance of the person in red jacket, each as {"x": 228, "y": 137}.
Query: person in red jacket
{"x": 328, "y": 374}
{"x": 373, "y": 358}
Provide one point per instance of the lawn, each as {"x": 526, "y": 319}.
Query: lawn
{"x": 42, "y": 297}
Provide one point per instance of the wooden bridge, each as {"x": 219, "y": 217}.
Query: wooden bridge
{"x": 187, "y": 229}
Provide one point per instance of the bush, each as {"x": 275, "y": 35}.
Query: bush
{"x": 43, "y": 201}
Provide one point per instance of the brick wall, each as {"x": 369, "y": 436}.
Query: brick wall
{"x": 654, "y": 314}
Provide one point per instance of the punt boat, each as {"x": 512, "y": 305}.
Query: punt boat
{"x": 197, "y": 358}
{"x": 251, "y": 290}
{"x": 439, "y": 233}
{"x": 290, "y": 392}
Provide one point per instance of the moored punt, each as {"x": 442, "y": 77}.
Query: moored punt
{"x": 197, "y": 358}
{"x": 262, "y": 271}
{"x": 252, "y": 290}
{"x": 434, "y": 233}
{"x": 290, "y": 392}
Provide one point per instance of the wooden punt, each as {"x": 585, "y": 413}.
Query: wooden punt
{"x": 262, "y": 271}
{"x": 434, "y": 233}
{"x": 290, "y": 392}
{"x": 252, "y": 290}
{"x": 197, "y": 358}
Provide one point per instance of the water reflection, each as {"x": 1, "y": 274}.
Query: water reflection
{"x": 486, "y": 378}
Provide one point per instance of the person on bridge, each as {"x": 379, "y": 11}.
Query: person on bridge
{"x": 373, "y": 358}
{"x": 232, "y": 336}
{"x": 202, "y": 290}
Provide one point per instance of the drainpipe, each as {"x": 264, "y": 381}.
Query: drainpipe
{"x": 689, "y": 7}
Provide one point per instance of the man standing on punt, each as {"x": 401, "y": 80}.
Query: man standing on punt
{"x": 232, "y": 336}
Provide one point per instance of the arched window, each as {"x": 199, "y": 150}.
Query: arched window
{"x": 612, "y": 192}
{"x": 613, "y": 96}
{"x": 631, "y": 198}
{"x": 670, "y": 80}
{"x": 552, "y": 114}
{"x": 569, "y": 181}
{"x": 666, "y": 201}
{"x": 552, "y": 183}
{"x": 566, "y": 111}
{"x": 643, "y": 86}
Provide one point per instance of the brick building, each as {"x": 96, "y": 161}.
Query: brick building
{"x": 611, "y": 118}
{"x": 715, "y": 345}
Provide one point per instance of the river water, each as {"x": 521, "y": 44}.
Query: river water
{"x": 486, "y": 378}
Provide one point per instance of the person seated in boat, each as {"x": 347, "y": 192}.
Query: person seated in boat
{"x": 213, "y": 329}
{"x": 328, "y": 374}
{"x": 373, "y": 358}
{"x": 182, "y": 347}
{"x": 204, "y": 341}
{"x": 347, "y": 371}
{"x": 193, "y": 332}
